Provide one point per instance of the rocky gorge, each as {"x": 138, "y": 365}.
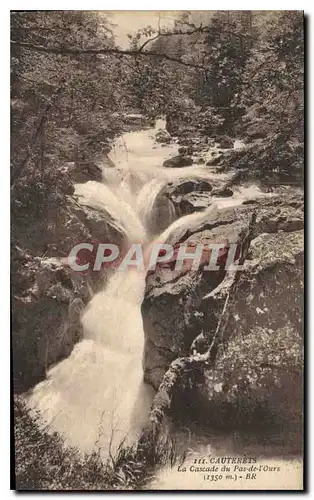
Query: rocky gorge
{"x": 255, "y": 371}
{"x": 46, "y": 291}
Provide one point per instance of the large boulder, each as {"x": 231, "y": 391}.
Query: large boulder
{"x": 178, "y": 161}
{"x": 258, "y": 367}
{"x": 189, "y": 186}
{"x": 47, "y": 295}
{"x": 98, "y": 222}
{"x": 189, "y": 195}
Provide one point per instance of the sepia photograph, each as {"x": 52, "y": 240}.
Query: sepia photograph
{"x": 157, "y": 250}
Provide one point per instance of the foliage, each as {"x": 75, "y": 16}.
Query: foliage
{"x": 250, "y": 84}
{"x": 61, "y": 106}
{"x": 272, "y": 95}
{"x": 44, "y": 462}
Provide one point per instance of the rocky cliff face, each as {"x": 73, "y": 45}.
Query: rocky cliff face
{"x": 258, "y": 364}
{"x": 47, "y": 296}
{"x": 46, "y": 320}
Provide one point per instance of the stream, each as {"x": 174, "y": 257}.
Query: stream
{"x": 96, "y": 398}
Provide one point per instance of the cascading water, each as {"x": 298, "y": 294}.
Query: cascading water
{"x": 96, "y": 397}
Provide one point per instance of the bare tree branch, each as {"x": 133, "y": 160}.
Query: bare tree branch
{"x": 104, "y": 51}
{"x": 148, "y": 41}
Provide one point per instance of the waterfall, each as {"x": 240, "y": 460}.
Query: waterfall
{"x": 119, "y": 209}
{"x": 96, "y": 397}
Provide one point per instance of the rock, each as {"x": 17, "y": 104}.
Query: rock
{"x": 225, "y": 142}
{"x": 165, "y": 212}
{"x": 258, "y": 378}
{"x": 186, "y": 142}
{"x": 65, "y": 226}
{"x": 131, "y": 122}
{"x": 189, "y": 195}
{"x": 216, "y": 159}
{"x": 54, "y": 235}
{"x": 183, "y": 150}
{"x": 46, "y": 322}
{"x": 84, "y": 171}
{"x": 170, "y": 335}
{"x": 262, "y": 358}
{"x": 193, "y": 202}
{"x": 223, "y": 192}
{"x": 259, "y": 371}
{"x": 47, "y": 294}
{"x": 278, "y": 216}
{"x": 96, "y": 221}
{"x": 162, "y": 136}
{"x": 178, "y": 161}
{"x": 134, "y": 119}
{"x": 220, "y": 169}
{"x": 189, "y": 186}
{"x": 256, "y": 131}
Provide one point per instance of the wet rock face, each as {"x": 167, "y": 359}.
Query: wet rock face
{"x": 258, "y": 368}
{"x": 224, "y": 192}
{"x": 173, "y": 297}
{"x": 47, "y": 295}
{"x": 190, "y": 195}
{"x": 189, "y": 186}
{"x": 258, "y": 372}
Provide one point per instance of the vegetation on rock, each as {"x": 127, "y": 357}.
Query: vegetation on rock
{"x": 44, "y": 462}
